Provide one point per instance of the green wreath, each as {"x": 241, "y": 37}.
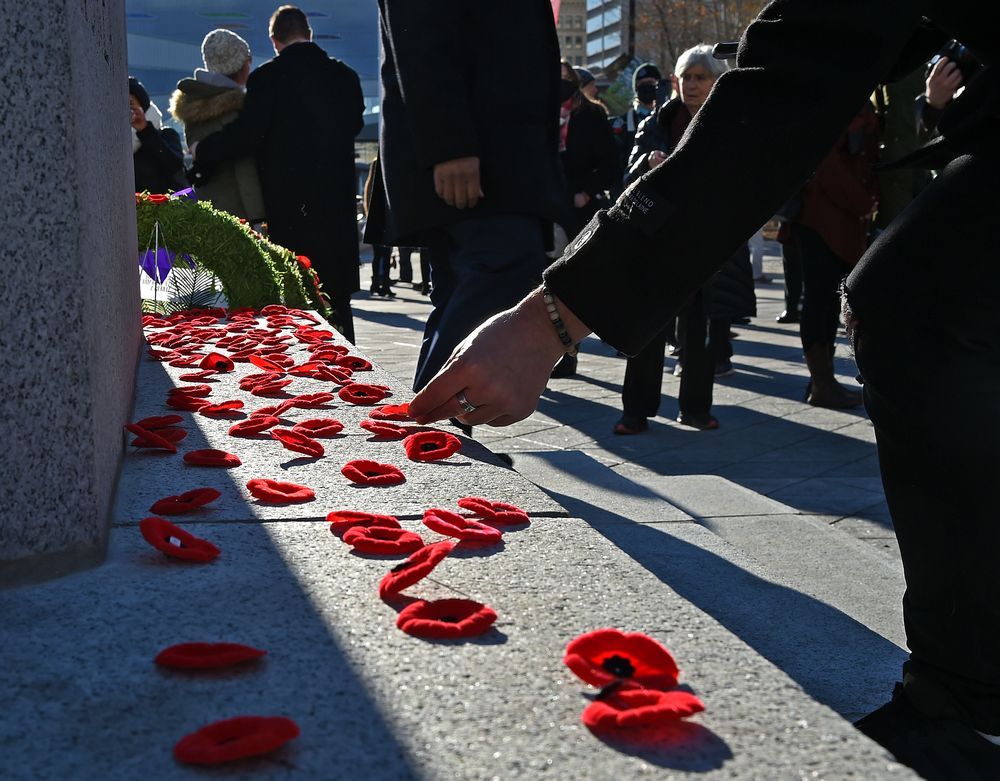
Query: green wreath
{"x": 252, "y": 270}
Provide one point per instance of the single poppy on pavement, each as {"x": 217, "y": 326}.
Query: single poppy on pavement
{"x": 414, "y": 569}
{"x": 311, "y": 400}
{"x": 212, "y": 457}
{"x": 626, "y": 708}
{"x": 331, "y": 374}
{"x": 217, "y": 362}
{"x": 307, "y": 369}
{"x": 337, "y": 349}
{"x": 446, "y": 618}
{"x": 362, "y": 393}
{"x": 382, "y": 540}
{"x": 161, "y": 355}
{"x": 391, "y": 412}
{"x": 320, "y": 428}
{"x": 500, "y": 513}
{"x": 176, "y": 543}
{"x": 270, "y": 388}
{"x": 342, "y": 520}
{"x": 381, "y": 428}
{"x": 454, "y": 525}
{"x": 255, "y": 424}
{"x": 206, "y": 656}
{"x": 170, "y": 433}
{"x": 298, "y": 442}
{"x": 278, "y": 492}
{"x": 202, "y": 374}
{"x": 431, "y": 445}
{"x": 608, "y": 655}
{"x": 185, "y": 502}
{"x": 365, "y": 472}
{"x": 274, "y": 355}
{"x": 221, "y": 408}
{"x": 187, "y": 360}
{"x": 191, "y": 391}
{"x": 266, "y": 364}
{"x": 159, "y": 421}
{"x": 276, "y": 411}
{"x": 236, "y": 738}
{"x": 150, "y": 439}
{"x": 354, "y": 362}
{"x": 187, "y": 403}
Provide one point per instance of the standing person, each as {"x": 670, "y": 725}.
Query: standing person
{"x": 645, "y": 83}
{"x": 301, "y": 114}
{"x": 381, "y": 254}
{"x": 209, "y": 101}
{"x": 156, "y": 152}
{"x": 470, "y": 167}
{"x": 929, "y": 281}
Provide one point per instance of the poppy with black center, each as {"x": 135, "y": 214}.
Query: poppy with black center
{"x": 431, "y": 445}
{"x": 606, "y": 655}
{"x": 365, "y": 472}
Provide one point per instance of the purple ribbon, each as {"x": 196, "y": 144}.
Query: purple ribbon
{"x": 157, "y": 263}
{"x": 186, "y": 193}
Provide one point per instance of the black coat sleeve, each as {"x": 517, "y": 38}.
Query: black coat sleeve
{"x": 245, "y": 134}
{"x": 803, "y": 69}
{"x": 163, "y": 148}
{"x": 646, "y": 140}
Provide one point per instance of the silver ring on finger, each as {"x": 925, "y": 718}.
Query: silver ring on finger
{"x": 466, "y": 405}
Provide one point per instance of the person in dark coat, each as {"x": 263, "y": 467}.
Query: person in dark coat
{"x": 156, "y": 155}
{"x": 646, "y": 81}
{"x": 928, "y": 285}
{"x": 469, "y": 155}
{"x": 301, "y": 114}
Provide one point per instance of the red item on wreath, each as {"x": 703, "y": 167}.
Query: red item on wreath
{"x": 354, "y": 362}
{"x": 278, "y": 492}
{"x": 202, "y": 374}
{"x": 150, "y": 439}
{"x": 381, "y": 428}
{"x": 237, "y": 738}
{"x": 320, "y": 428}
{"x": 311, "y": 400}
{"x": 266, "y": 364}
{"x": 500, "y": 513}
{"x": 191, "y": 391}
{"x": 217, "y": 362}
{"x": 431, "y": 445}
{"x": 608, "y": 655}
{"x": 297, "y": 442}
{"x": 159, "y": 421}
{"x": 625, "y": 708}
{"x": 414, "y": 569}
{"x": 362, "y": 393}
{"x": 185, "y": 502}
{"x": 382, "y": 540}
{"x": 222, "y": 408}
{"x": 176, "y": 543}
{"x": 342, "y": 520}
{"x": 212, "y": 457}
{"x": 446, "y": 618}
{"x": 391, "y": 412}
{"x": 454, "y": 525}
{"x": 206, "y": 656}
{"x": 255, "y": 424}
{"x": 365, "y": 472}
{"x": 171, "y": 434}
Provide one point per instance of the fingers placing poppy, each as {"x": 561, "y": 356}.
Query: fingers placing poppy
{"x": 266, "y": 363}
{"x": 202, "y": 374}
{"x": 176, "y": 543}
{"x": 454, "y": 525}
{"x": 206, "y": 656}
{"x": 212, "y": 457}
{"x": 159, "y": 421}
{"x": 354, "y": 362}
{"x": 270, "y": 388}
{"x": 414, "y": 569}
{"x": 222, "y": 408}
{"x": 500, "y": 513}
{"x": 391, "y": 412}
{"x": 217, "y": 362}
{"x": 151, "y": 439}
{"x": 278, "y": 492}
{"x": 297, "y": 442}
{"x": 254, "y": 424}
{"x": 190, "y": 391}
{"x": 381, "y": 428}
{"x": 365, "y": 472}
{"x": 362, "y": 393}
{"x": 311, "y": 400}
{"x": 446, "y": 618}
{"x": 342, "y": 520}
{"x": 320, "y": 428}
{"x": 431, "y": 445}
{"x": 185, "y": 502}
{"x": 608, "y": 655}
{"x": 637, "y": 707}
{"x": 382, "y": 540}
{"x": 237, "y": 738}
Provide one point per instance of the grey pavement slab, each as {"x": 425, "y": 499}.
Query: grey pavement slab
{"x": 825, "y": 495}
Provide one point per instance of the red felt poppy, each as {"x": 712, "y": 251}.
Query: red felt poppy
{"x": 278, "y": 492}
{"x": 237, "y": 738}
{"x": 311, "y": 400}
{"x": 298, "y": 442}
{"x": 431, "y": 445}
{"x": 244, "y": 355}
{"x": 629, "y": 708}
{"x": 251, "y": 381}
{"x": 276, "y": 411}
{"x": 217, "y": 362}
{"x": 354, "y": 362}
{"x": 307, "y": 369}
{"x": 330, "y": 374}
{"x": 303, "y": 261}
{"x": 222, "y": 408}
{"x": 173, "y": 541}
{"x": 338, "y": 349}
{"x": 151, "y": 439}
{"x": 608, "y": 655}
{"x": 187, "y": 360}
{"x": 391, "y": 412}
{"x": 274, "y": 356}
{"x": 365, "y": 472}
{"x": 189, "y": 403}
{"x": 382, "y": 540}
{"x": 319, "y": 428}
{"x": 171, "y": 434}
{"x": 161, "y": 355}
{"x": 342, "y": 520}
{"x": 206, "y": 656}
{"x": 270, "y": 388}
{"x": 312, "y": 335}
{"x": 157, "y": 198}
{"x": 454, "y": 525}
{"x": 159, "y": 421}
{"x": 266, "y": 363}
{"x": 414, "y": 569}
{"x": 446, "y": 618}
{"x": 191, "y": 391}
{"x": 185, "y": 502}
{"x": 495, "y": 512}
{"x": 383, "y": 429}
{"x": 201, "y": 374}
{"x": 362, "y": 393}
{"x": 254, "y": 424}
{"x": 302, "y": 314}
{"x": 211, "y": 457}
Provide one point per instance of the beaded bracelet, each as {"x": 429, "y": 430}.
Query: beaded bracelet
{"x": 550, "y": 304}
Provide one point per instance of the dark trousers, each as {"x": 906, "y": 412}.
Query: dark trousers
{"x": 342, "y": 316}
{"x": 488, "y": 264}
{"x": 929, "y": 287}
{"x": 822, "y": 273}
{"x": 406, "y": 265}
{"x": 791, "y": 265}
{"x": 381, "y": 258}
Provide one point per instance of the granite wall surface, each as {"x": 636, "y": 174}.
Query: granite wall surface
{"x": 69, "y": 308}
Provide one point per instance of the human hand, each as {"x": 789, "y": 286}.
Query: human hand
{"x": 655, "y": 158}
{"x": 943, "y": 83}
{"x": 457, "y": 182}
{"x": 138, "y": 118}
{"x": 580, "y": 200}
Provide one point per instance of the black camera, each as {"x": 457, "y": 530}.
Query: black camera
{"x": 958, "y": 53}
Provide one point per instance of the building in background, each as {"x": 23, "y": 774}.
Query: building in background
{"x": 610, "y": 33}
{"x": 572, "y": 28}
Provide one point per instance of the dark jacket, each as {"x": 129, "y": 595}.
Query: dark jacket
{"x": 159, "y": 161}
{"x": 302, "y": 112}
{"x": 764, "y": 129}
{"x": 623, "y": 129}
{"x": 657, "y": 132}
{"x": 451, "y": 90}
{"x": 590, "y": 159}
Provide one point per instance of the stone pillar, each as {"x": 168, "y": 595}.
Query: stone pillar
{"x": 69, "y": 302}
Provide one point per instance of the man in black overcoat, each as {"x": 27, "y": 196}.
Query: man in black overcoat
{"x": 302, "y": 112}
{"x": 469, "y": 154}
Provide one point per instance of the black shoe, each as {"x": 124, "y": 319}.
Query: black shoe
{"x": 425, "y": 288}
{"x": 700, "y": 422}
{"x": 787, "y": 316}
{"x": 565, "y": 368}
{"x": 631, "y": 424}
{"x": 724, "y": 369}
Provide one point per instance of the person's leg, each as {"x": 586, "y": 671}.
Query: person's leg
{"x": 720, "y": 344}
{"x": 342, "y": 316}
{"x": 791, "y": 264}
{"x": 406, "y": 264}
{"x": 643, "y": 386}
{"x": 695, "y": 395}
{"x": 381, "y": 258}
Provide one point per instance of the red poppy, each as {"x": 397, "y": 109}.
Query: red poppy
{"x": 159, "y": 421}
{"x": 151, "y": 439}
{"x": 414, "y": 569}
{"x": 187, "y": 360}
{"x": 170, "y": 433}
{"x": 266, "y": 364}
{"x": 319, "y": 428}
{"x": 237, "y": 738}
{"x": 303, "y": 261}
{"x": 324, "y": 347}
{"x": 354, "y": 363}
{"x": 365, "y": 472}
{"x": 161, "y": 355}
{"x": 297, "y": 442}
{"x": 342, "y": 520}
{"x": 637, "y": 707}
{"x": 189, "y": 403}
{"x": 157, "y": 198}
{"x": 244, "y": 355}
{"x": 173, "y": 541}
{"x": 185, "y": 502}
{"x": 278, "y": 492}
{"x": 454, "y": 525}
{"x": 254, "y": 424}
{"x": 495, "y": 512}
{"x": 206, "y": 656}
{"x": 201, "y": 374}
{"x": 311, "y": 400}
{"x": 382, "y": 540}
{"x": 191, "y": 391}
{"x": 274, "y": 309}
{"x": 608, "y": 655}
{"x": 222, "y": 408}
{"x": 362, "y": 393}
{"x": 307, "y": 369}
{"x": 330, "y": 374}
{"x": 211, "y": 457}
{"x": 217, "y": 362}
{"x": 391, "y": 412}
{"x": 431, "y": 445}
{"x": 302, "y": 314}
{"x": 274, "y": 355}
{"x": 276, "y": 411}
{"x": 446, "y": 618}
{"x": 382, "y": 429}
{"x": 250, "y": 381}
{"x": 270, "y": 388}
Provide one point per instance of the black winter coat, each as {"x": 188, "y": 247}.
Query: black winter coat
{"x": 301, "y": 114}
{"x": 159, "y": 162}
{"x": 590, "y": 159}
{"x": 450, "y": 89}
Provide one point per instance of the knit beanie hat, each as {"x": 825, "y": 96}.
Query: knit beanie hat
{"x": 135, "y": 88}
{"x": 224, "y": 52}
{"x": 585, "y": 76}
{"x": 646, "y": 71}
